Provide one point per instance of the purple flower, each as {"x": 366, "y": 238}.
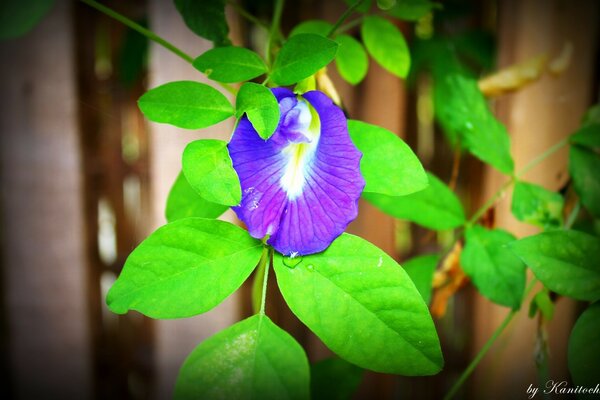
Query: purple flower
{"x": 302, "y": 185}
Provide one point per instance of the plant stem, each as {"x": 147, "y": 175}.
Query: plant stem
{"x": 263, "y": 298}
{"x": 274, "y": 27}
{"x": 343, "y": 17}
{"x": 351, "y": 24}
{"x": 149, "y": 34}
{"x": 240, "y": 10}
{"x": 258, "y": 281}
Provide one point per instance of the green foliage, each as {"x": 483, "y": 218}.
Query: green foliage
{"x": 386, "y": 45}
{"x": 18, "y": 17}
{"x": 185, "y": 268}
{"x": 584, "y": 168}
{"x": 334, "y": 379}
{"x": 185, "y": 104}
{"x": 537, "y": 206}
{"x": 588, "y": 136}
{"x": 206, "y": 18}
{"x": 184, "y": 202}
{"x": 302, "y": 56}
{"x": 260, "y": 106}
{"x": 363, "y": 7}
{"x": 435, "y": 207}
{"x": 496, "y": 272}
{"x": 208, "y": 169}
{"x": 386, "y": 4}
{"x": 411, "y": 10}
{"x": 566, "y": 262}
{"x": 314, "y": 26}
{"x": 133, "y": 56}
{"x": 462, "y": 111}
{"x": 420, "y": 270}
{"x": 230, "y": 64}
{"x": 542, "y": 301}
{"x": 253, "y": 359}
{"x": 388, "y": 165}
{"x": 351, "y": 60}
{"x": 363, "y": 306}
{"x": 584, "y": 349}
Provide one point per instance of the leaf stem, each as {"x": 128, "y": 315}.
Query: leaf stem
{"x": 258, "y": 281}
{"x": 350, "y": 24}
{"x": 343, "y": 17}
{"x": 263, "y": 299}
{"x": 240, "y": 10}
{"x": 274, "y": 28}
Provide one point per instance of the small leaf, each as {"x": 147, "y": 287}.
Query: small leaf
{"x": 253, "y": 359}
{"x": 351, "y": 60}
{"x": 18, "y": 17}
{"x": 315, "y": 26}
{"x": 301, "y": 56}
{"x": 209, "y": 170}
{"x": 363, "y": 306}
{"x": 584, "y": 168}
{"x": 206, "y": 18}
{"x": 386, "y": 45}
{"x": 543, "y": 302}
{"x": 230, "y": 64}
{"x": 538, "y": 206}
{"x": 185, "y": 268}
{"x": 260, "y": 106}
{"x": 388, "y": 164}
{"x": 588, "y": 136}
{"x": 184, "y": 202}
{"x": 420, "y": 270}
{"x": 496, "y": 272}
{"x": 435, "y": 207}
{"x": 566, "y": 262}
{"x": 334, "y": 379}
{"x": 185, "y": 104}
{"x": 584, "y": 349}
{"x": 411, "y": 10}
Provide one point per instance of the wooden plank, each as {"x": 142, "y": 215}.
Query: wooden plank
{"x": 43, "y": 259}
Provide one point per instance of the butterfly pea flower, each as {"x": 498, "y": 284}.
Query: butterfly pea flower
{"x": 301, "y": 186}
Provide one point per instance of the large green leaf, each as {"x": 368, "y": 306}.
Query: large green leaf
{"x": 420, "y": 269}
{"x": 334, "y": 379}
{"x": 351, "y": 60}
{"x": 18, "y": 17}
{"x": 185, "y": 104}
{"x": 463, "y": 112}
{"x": 315, "y": 26}
{"x": 230, "y": 64}
{"x": 538, "y": 206}
{"x": 564, "y": 261}
{"x": 206, "y": 18}
{"x": 185, "y": 268}
{"x": 588, "y": 136}
{"x": 260, "y": 106}
{"x": 209, "y": 170}
{"x": 363, "y": 306}
{"x": 584, "y": 168}
{"x": 184, "y": 202}
{"x": 584, "y": 349}
{"x": 388, "y": 164}
{"x": 435, "y": 207}
{"x": 496, "y": 272}
{"x": 302, "y": 56}
{"x": 411, "y": 10}
{"x": 386, "y": 45}
{"x": 253, "y": 359}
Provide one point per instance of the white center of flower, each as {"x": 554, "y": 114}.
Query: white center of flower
{"x": 300, "y": 154}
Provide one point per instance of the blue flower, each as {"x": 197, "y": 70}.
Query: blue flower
{"x": 301, "y": 186}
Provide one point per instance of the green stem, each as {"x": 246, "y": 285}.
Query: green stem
{"x": 149, "y": 34}
{"x": 343, "y": 17}
{"x": 263, "y": 299}
{"x": 240, "y": 10}
{"x": 258, "y": 280}
{"x": 351, "y": 24}
{"x": 274, "y": 27}
{"x": 486, "y": 347}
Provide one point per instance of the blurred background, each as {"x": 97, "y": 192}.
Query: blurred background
{"x": 83, "y": 179}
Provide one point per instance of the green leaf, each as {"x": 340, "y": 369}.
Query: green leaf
{"x": 537, "y": 206}
{"x": 584, "y": 168}
{"x": 435, "y": 207}
{"x": 411, "y": 10}
{"x": 302, "y": 56}
{"x": 584, "y": 349}
{"x": 386, "y": 45}
{"x": 566, "y": 262}
{"x": 261, "y": 107}
{"x": 209, "y": 170}
{"x": 363, "y": 7}
{"x": 18, "y": 17}
{"x": 388, "y": 164}
{"x": 334, "y": 379}
{"x": 230, "y": 64}
{"x": 206, "y": 18}
{"x": 351, "y": 60}
{"x": 420, "y": 270}
{"x": 184, "y": 202}
{"x": 591, "y": 116}
{"x": 462, "y": 111}
{"x": 315, "y": 26}
{"x": 543, "y": 302}
{"x": 253, "y": 359}
{"x": 496, "y": 272}
{"x": 185, "y": 104}
{"x": 363, "y": 306}
{"x": 588, "y": 136}
{"x": 185, "y": 268}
